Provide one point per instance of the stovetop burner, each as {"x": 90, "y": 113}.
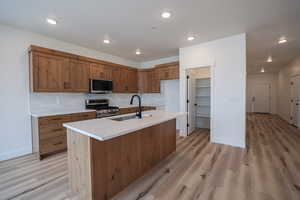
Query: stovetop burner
{"x": 102, "y": 107}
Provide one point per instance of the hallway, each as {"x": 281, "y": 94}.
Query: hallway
{"x": 269, "y": 168}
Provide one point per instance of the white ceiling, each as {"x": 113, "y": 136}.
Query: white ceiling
{"x": 132, "y": 24}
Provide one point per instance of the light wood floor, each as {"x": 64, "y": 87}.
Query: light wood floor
{"x": 268, "y": 169}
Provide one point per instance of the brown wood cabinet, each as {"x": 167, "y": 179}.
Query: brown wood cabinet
{"x": 80, "y": 76}
{"x": 49, "y": 135}
{"x": 47, "y": 72}
{"x": 124, "y": 80}
{"x": 100, "y": 71}
{"x": 148, "y": 81}
{"x": 168, "y": 71}
{"x": 56, "y": 71}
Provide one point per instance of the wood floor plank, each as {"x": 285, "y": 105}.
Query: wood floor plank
{"x": 268, "y": 169}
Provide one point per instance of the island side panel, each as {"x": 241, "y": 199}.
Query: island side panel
{"x": 79, "y": 164}
{"x": 119, "y": 161}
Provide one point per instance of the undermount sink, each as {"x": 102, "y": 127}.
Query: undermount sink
{"x": 130, "y": 117}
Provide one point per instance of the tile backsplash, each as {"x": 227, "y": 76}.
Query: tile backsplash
{"x": 40, "y": 102}
{"x": 168, "y": 99}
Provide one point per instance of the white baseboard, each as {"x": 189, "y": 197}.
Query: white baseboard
{"x": 16, "y": 153}
{"x": 222, "y": 141}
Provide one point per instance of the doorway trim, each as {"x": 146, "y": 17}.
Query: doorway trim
{"x": 183, "y": 97}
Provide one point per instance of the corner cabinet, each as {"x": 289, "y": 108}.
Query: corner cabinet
{"x": 48, "y": 71}
{"x": 148, "y": 81}
{"x": 168, "y": 71}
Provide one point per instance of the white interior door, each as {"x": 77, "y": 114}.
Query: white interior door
{"x": 294, "y": 107}
{"x": 191, "y": 105}
{"x": 261, "y": 98}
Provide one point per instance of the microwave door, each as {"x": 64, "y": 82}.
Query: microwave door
{"x": 101, "y": 86}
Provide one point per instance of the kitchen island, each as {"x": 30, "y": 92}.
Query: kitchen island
{"x": 106, "y": 155}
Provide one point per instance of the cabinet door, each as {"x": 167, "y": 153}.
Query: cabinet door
{"x": 116, "y": 77}
{"x": 80, "y": 75}
{"x": 163, "y": 73}
{"x": 100, "y": 72}
{"x": 46, "y": 76}
{"x": 155, "y": 84}
{"x": 173, "y": 72}
{"x": 132, "y": 81}
{"x": 142, "y": 81}
{"x": 66, "y": 77}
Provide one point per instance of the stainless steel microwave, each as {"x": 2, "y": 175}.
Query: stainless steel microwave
{"x": 100, "y": 86}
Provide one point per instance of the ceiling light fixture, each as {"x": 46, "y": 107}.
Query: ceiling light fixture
{"x": 106, "y": 41}
{"x": 137, "y": 52}
{"x": 166, "y": 15}
{"x": 282, "y": 40}
{"x": 269, "y": 59}
{"x": 262, "y": 70}
{"x": 51, "y": 21}
{"x": 190, "y": 38}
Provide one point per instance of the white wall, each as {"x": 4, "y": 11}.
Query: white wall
{"x": 263, "y": 78}
{"x": 14, "y": 86}
{"x": 227, "y": 58}
{"x": 284, "y": 87}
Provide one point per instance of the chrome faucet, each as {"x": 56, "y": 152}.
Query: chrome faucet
{"x": 139, "y": 114}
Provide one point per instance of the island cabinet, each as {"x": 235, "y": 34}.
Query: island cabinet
{"x": 98, "y": 170}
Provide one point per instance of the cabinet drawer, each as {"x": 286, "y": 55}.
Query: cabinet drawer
{"x": 83, "y": 116}
{"x": 58, "y": 119}
{"x": 51, "y": 131}
{"x": 53, "y": 144}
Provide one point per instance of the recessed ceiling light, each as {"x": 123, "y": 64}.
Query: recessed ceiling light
{"x": 137, "y": 52}
{"x": 51, "y": 21}
{"x": 106, "y": 41}
{"x": 282, "y": 40}
{"x": 269, "y": 59}
{"x": 166, "y": 15}
{"x": 262, "y": 70}
{"x": 190, "y": 38}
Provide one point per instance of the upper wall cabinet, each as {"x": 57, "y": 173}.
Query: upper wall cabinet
{"x": 168, "y": 71}
{"x": 100, "y": 71}
{"x": 148, "y": 81}
{"x": 80, "y": 75}
{"x": 124, "y": 80}
{"x": 48, "y": 72}
{"x": 56, "y": 71}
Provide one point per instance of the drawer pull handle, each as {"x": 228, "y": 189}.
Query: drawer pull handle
{"x": 58, "y": 143}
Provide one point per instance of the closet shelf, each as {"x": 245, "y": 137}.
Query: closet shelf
{"x": 202, "y": 86}
{"x": 202, "y": 95}
{"x": 203, "y": 115}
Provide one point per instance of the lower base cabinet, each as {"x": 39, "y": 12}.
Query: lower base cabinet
{"x": 49, "y": 136}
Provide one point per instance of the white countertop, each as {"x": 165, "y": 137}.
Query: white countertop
{"x": 59, "y": 112}
{"x": 105, "y": 128}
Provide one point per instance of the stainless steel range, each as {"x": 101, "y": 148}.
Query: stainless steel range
{"x": 102, "y": 107}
